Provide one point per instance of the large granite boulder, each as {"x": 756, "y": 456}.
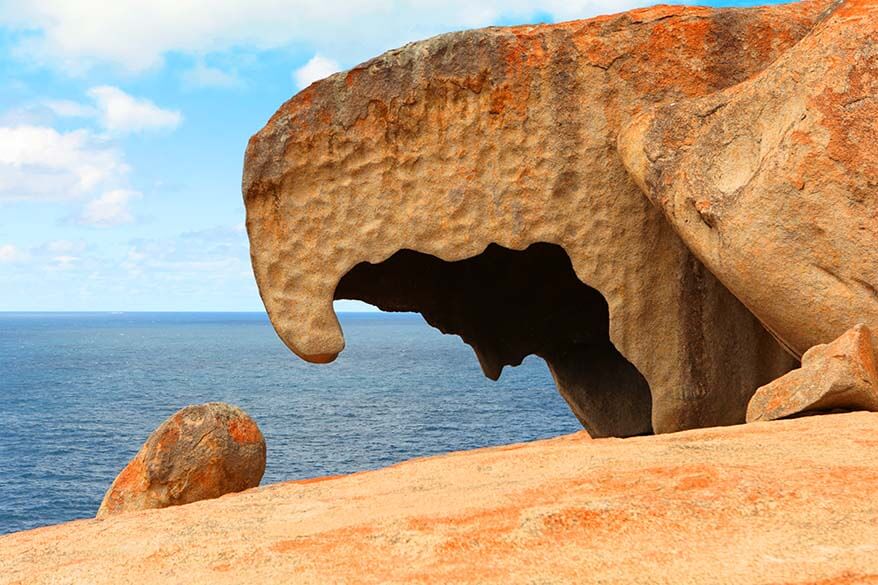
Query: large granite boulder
{"x": 475, "y": 178}
{"x": 773, "y": 183}
{"x": 201, "y": 452}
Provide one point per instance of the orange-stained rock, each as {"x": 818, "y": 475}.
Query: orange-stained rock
{"x": 203, "y": 451}
{"x": 371, "y": 183}
{"x": 773, "y": 182}
{"x": 782, "y": 502}
{"x": 839, "y": 375}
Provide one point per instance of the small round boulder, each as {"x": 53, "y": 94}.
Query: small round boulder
{"x": 203, "y": 451}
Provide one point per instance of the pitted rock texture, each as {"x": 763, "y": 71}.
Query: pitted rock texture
{"x": 507, "y": 136}
{"x": 201, "y": 452}
{"x": 788, "y": 501}
{"x": 837, "y": 376}
{"x": 773, "y": 183}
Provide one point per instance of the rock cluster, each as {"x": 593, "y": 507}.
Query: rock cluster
{"x": 452, "y": 177}
{"x": 422, "y": 180}
{"x": 201, "y": 452}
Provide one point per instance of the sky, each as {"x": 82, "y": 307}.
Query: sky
{"x": 123, "y": 126}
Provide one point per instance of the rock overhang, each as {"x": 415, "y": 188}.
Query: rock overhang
{"x": 508, "y": 136}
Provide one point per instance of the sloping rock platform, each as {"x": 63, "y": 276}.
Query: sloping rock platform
{"x": 781, "y": 502}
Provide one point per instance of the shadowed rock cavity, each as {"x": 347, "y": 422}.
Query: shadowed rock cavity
{"x": 508, "y": 304}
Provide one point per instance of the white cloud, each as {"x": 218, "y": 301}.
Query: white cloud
{"x": 50, "y": 256}
{"x": 315, "y": 69}
{"x": 121, "y": 113}
{"x": 41, "y": 163}
{"x": 115, "y": 110}
{"x": 69, "y": 109}
{"x": 56, "y": 248}
{"x": 63, "y": 262}
{"x": 190, "y": 271}
{"x": 110, "y": 209}
{"x": 135, "y": 35}
{"x": 220, "y": 253}
{"x": 10, "y": 254}
{"x": 201, "y": 75}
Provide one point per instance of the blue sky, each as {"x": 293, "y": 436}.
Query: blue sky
{"x": 123, "y": 126}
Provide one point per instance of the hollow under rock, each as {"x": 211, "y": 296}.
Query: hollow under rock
{"x": 508, "y": 304}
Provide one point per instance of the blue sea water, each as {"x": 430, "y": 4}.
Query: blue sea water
{"x": 80, "y": 392}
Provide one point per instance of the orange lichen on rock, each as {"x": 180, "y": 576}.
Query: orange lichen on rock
{"x": 743, "y": 504}
{"x": 244, "y": 430}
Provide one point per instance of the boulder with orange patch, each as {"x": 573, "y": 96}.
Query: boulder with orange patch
{"x": 838, "y": 375}
{"x": 203, "y": 451}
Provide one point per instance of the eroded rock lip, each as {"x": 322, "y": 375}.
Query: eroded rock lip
{"x": 772, "y": 182}
{"x": 201, "y": 452}
{"x": 507, "y": 136}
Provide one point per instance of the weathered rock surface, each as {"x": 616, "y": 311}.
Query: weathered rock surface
{"x": 476, "y": 146}
{"x": 201, "y": 452}
{"x": 773, "y": 183}
{"x": 780, "y": 502}
{"x": 839, "y": 375}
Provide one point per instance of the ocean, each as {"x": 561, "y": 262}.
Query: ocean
{"x": 81, "y": 392}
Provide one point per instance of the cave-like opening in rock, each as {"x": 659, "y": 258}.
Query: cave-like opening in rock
{"x": 508, "y": 304}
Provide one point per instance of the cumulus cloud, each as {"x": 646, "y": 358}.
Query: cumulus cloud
{"x": 110, "y": 209}
{"x": 317, "y": 68}
{"x": 121, "y": 113}
{"x": 10, "y": 254}
{"x": 136, "y": 36}
{"x": 115, "y": 110}
{"x": 41, "y": 163}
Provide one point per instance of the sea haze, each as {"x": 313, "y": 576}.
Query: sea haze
{"x": 80, "y": 392}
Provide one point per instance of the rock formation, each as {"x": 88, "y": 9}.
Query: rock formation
{"x": 781, "y": 502}
{"x": 773, "y": 183}
{"x": 201, "y": 452}
{"x": 839, "y": 375}
{"x": 475, "y": 178}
